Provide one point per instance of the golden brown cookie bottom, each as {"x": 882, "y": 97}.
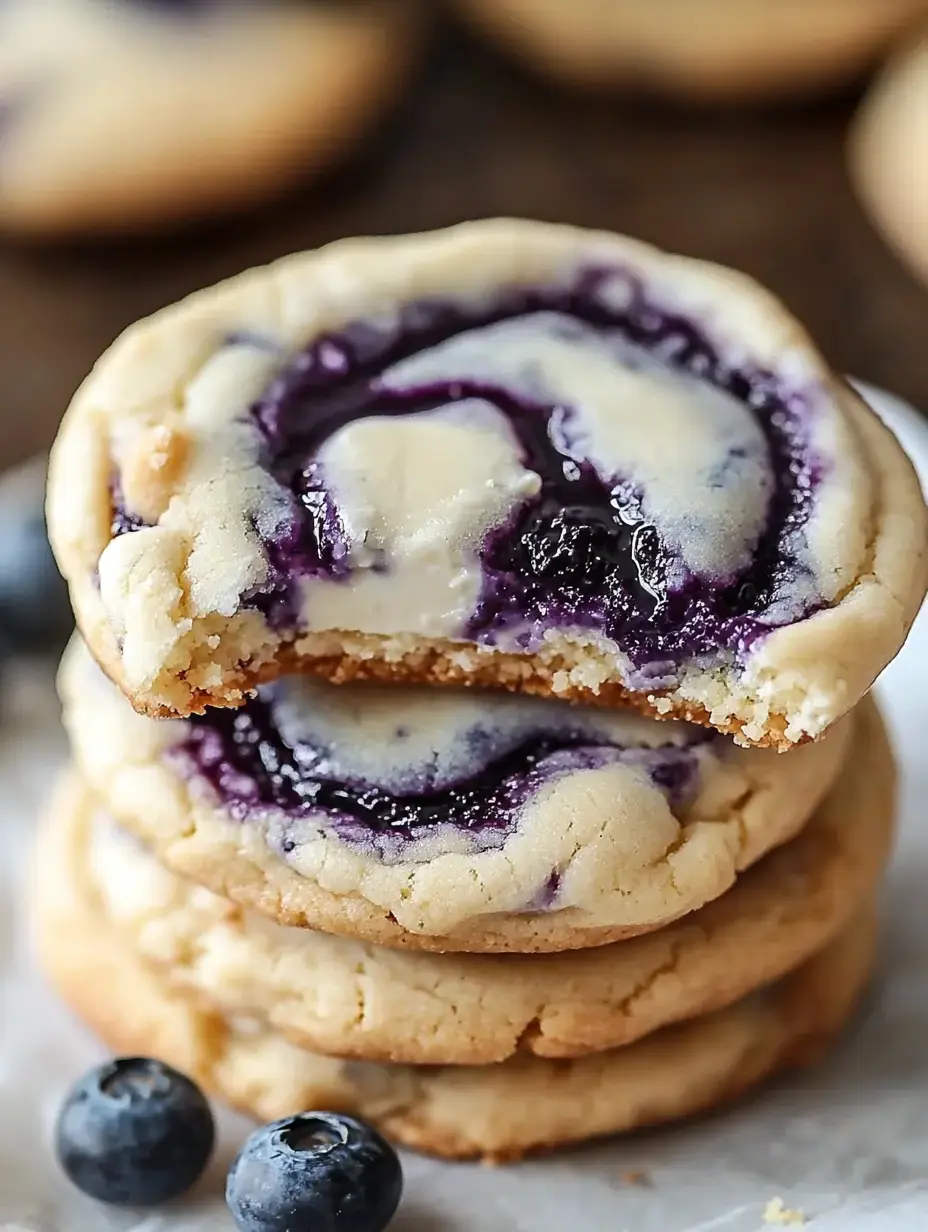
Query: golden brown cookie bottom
{"x": 371, "y": 658}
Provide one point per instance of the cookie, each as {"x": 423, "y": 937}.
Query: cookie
{"x": 441, "y": 819}
{"x": 718, "y": 51}
{"x": 508, "y": 454}
{"x": 888, "y": 153}
{"x": 495, "y": 1112}
{"x": 119, "y": 116}
{"x": 348, "y": 999}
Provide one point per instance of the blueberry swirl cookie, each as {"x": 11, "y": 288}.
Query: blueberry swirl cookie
{"x": 507, "y": 454}
{"x": 351, "y": 999}
{"x": 707, "y": 50}
{"x": 495, "y": 1112}
{"x": 443, "y": 819}
{"x": 124, "y": 114}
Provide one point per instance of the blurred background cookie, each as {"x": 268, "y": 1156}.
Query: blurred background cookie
{"x": 889, "y": 155}
{"x": 709, "y": 50}
{"x": 117, "y": 116}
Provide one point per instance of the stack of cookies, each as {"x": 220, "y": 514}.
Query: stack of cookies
{"x": 470, "y": 724}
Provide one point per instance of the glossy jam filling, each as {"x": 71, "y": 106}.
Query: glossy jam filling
{"x": 581, "y": 553}
{"x": 250, "y": 766}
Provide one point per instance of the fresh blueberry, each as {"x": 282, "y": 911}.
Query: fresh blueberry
{"x": 34, "y": 611}
{"x": 134, "y": 1132}
{"x": 315, "y": 1173}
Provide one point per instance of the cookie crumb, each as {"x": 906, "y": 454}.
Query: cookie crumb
{"x": 635, "y": 1177}
{"x": 777, "y": 1212}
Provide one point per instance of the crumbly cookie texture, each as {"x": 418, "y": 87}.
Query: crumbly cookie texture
{"x": 888, "y": 150}
{"x": 345, "y": 998}
{"x": 777, "y": 1212}
{"x": 121, "y": 116}
{"x": 720, "y": 51}
{"x": 321, "y": 465}
{"x": 595, "y": 856}
{"x": 495, "y": 1112}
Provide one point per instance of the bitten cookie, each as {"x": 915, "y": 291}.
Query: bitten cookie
{"x": 889, "y": 155}
{"x": 495, "y": 1112}
{"x": 348, "y": 999}
{"x": 117, "y": 116}
{"x": 705, "y": 50}
{"x": 506, "y": 454}
{"x": 443, "y": 819}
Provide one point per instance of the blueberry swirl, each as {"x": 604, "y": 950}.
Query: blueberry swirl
{"x": 645, "y": 488}
{"x": 640, "y": 486}
{"x": 436, "y": 807}
{"x": 387, "y": 768}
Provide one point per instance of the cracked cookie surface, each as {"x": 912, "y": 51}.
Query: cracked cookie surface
{"x": 493, "y": 1112}
{"x": 441, "y": 820}
{"x": 508, "y": 454}
{"x": 117, "y": 115}
{"x": 346, "y": 998}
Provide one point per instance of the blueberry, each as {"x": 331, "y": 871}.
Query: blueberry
{"x": 315, "y": 1173}
{"x": 34, "y": 609}
{"x": 134, "y": 1132}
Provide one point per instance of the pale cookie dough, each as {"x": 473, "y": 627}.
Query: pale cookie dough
{"x": 347, "y": 999}
{"x": 889, "y": 155}
{"x": 508, "y": 454}
{"x": 718, "y": 51}
{"x": 494, "y": 1112}
{"x": 119, "y": 115}
{"x": 581, "y": 847}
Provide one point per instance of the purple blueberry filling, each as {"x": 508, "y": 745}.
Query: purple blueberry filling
{"x": 250, "y": 766}
{"x": 122, "y": 522}
{"x": 547, "y": 896}
{"x": 580, "y": 553}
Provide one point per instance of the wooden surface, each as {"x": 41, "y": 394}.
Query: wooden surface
{"x": 764, "y": 192}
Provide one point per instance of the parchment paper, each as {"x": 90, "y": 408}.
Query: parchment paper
{"x": 846, "y": 1144}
